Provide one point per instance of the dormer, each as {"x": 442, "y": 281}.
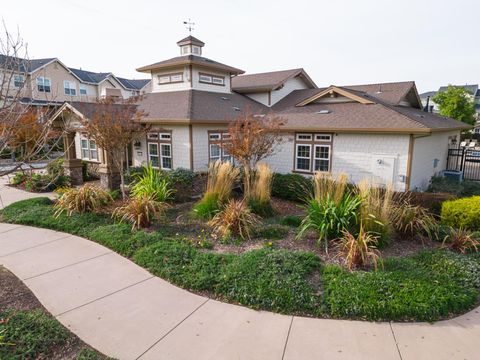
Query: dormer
{"x": 190, "y": 46}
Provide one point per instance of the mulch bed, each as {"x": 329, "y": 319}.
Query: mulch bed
{"x": 14, "y": 295}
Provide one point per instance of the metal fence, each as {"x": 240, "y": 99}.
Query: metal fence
{"x": 465, "y": 160}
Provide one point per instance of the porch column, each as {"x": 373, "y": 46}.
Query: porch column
{"x": 72, "y": 165}
{"x": 109, "y": 175}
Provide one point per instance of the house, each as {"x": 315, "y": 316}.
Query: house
{"x": 376, "y": 131}
{"x": 50, "y": 82}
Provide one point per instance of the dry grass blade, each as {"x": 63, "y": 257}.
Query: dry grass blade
{"x": 235, "y": 219}
{"x": 221, "y": 179}
{"x": 461, "y": 240}
{"x": 140, "y": 211}
{"x": 326, "y": 185}
{"x": 84, "y": 199}
{"x": 262, "y": 183}
{"x": 360, "y": 250}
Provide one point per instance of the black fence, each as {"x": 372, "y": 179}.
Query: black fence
{"x": 466, "y": 160}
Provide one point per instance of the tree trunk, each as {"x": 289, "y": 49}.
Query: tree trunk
{"x": 247, "y": 181}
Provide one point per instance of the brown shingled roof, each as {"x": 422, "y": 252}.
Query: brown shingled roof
{"x": 390, "y": 92}
{"x": 197, "y": 106}
{"x": 267, "y": 81}
{"x": 190, "y": 60}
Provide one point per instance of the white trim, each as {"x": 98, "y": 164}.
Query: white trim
{"x": 302, "y": 157}
{"x": 308, "y": 135}
{"x": 156, "y": 155}
{"x": 328, "y": 159}
{"x": 162, "y": 156}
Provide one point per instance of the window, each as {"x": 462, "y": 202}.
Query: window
{"x": 69, "y": 88}
{"x": 43, "y": 84}
{"x": 170, "y": 78}
{"x": 83, "y": 89}
{"x": 215, "y": 141}
{"x": 196, "y": 50}
{"x": 89, "y": 149}
{"x": 322, "y": 158}
{"x": 160, "y": 149}
{"x": 18, "y": 81}
{"x": 303, "y": 157}
{"x": 312, "y": 152}
{"x": 212, "y": 79}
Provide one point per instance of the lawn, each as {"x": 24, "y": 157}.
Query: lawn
{"x": 426, "y": 285}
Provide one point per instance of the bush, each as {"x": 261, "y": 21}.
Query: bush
{"x": 461, "y": 240}
{"x": 462, "y": 213}
{"x": 151, "y": 184}
{"x": 84, "y": 199}
{"x": 235, "y": 219}
{"x": 55, "y": 168}
{"x": 182, "y": 181}
{"x": 291, "y": 220}
{"x": 42, "y": 183}
{"x": 291, "y": 187}
{"x": 360, "y": 250}
{"x": 273, "y": 231}
{"x": 410, "y": 220}
{"x": 259, "y": 200}
{"x": 274, "y": 280}
{"x": 439, "y": 184}
{"x": 18, "y": 178}
{"x": 140, "y": 211}
{"x": 33, "y": 334}
{"x": 221, "y": 179}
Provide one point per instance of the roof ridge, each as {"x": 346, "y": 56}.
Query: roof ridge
{"x": 383, "y": 83}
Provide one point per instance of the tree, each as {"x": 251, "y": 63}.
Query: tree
{"x": 22, "y": 126}
{"x": 113, "y": 127}
{"x": 456, "y": 103}
{"x": 252, "y": 138}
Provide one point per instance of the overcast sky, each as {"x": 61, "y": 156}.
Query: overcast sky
{"x": 339, "y": 42}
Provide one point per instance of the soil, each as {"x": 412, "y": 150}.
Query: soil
{"x": 181, "y": 223}
{"x": 14, "y": 295}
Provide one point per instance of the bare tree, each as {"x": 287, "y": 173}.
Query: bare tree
{"x": 22, "y": 126}
{"x": 252, "y": 138}
{"x": 114, "y": 126}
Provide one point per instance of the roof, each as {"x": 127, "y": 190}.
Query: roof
{"x": 190, "y": 60}
{"x": 472, "y": 89}
{"x": 393, "y": 92}
{"x": 89, "y": 109}
{"x": 427, "y": 94}
{"x": 90, "y": 76}
{"x": 133, "y": 84}
{"x": 267, "y": 81}
{"x": 197, "y": 106}
{"x": 377, "y": 116}
{"x": 23, "y": 65}
{"x": 191, "y": 40}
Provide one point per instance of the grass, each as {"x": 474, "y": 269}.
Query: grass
{"x": 428, "y": 286}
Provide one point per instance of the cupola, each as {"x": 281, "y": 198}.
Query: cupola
{"x": 190, "y": 46}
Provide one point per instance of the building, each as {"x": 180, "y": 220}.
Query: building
{"x": 375, "y": 131}
{"x": 49, "y": 81}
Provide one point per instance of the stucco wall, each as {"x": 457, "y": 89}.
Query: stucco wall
{"x": 429, "y": 158}
{"x": 185, "y": 85}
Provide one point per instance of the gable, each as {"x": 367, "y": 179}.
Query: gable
{"x": 334, "y": 94}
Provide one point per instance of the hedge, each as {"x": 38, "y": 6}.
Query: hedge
{"x": 462, "y": 213}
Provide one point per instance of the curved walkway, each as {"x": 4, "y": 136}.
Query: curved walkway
{"x": 125, "y": 312}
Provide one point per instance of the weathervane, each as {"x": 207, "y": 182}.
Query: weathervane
{"x": 189, "y": 25}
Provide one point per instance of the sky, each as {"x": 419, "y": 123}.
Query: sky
{"x": 341, "y": 42}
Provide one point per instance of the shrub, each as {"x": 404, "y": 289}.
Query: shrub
{"x": 410, "y": 220}
{"x": 273, "y": 231}
{"x": 329, "y": 214}
{"x": 291, "y": 220}
{"x": 84, "y": 199}
{"x": 42, "y": 182}
{"x": 33, "y": 334}
{"x": 18, "y": 178}
{"x": 220, "y": 182}
{"x": 140, "y": 211}
{"x": 55, "y": 168}
{"x": 292, "y": 187}
{"x": 151, "y": 184}
{"x": 275, "y": 280}
{"x": 461, "y": 240}
{"x": 260, "y": 195}
{"x": 235, "y": 219}
{"x": 462, "y": 213}
{"x": 182, "y": 181}
{"x": 132, "y": 174}
{"x": 439, "y": 184}
{"x": 360, "y": 250}
{"x": 375, "y": 209}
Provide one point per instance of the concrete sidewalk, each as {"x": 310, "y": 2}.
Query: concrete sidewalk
{"x": 125, "y": 312}
{"x": 9, "y": 194}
